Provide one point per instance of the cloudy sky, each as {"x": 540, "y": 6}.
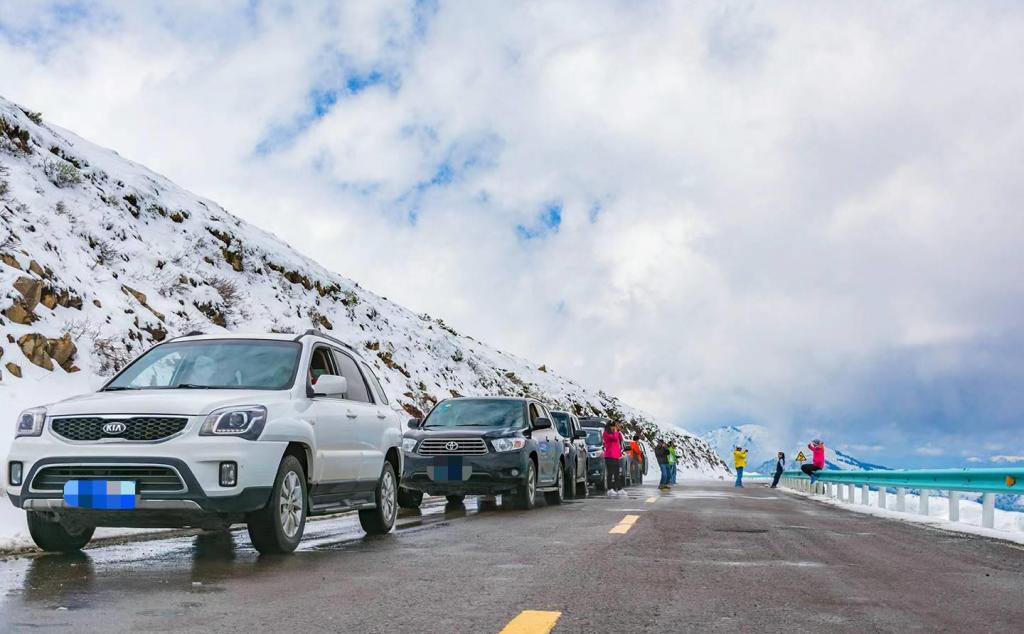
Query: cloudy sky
{"x": 806, "y": 215}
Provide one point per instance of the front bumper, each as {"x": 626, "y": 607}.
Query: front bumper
{"x": 489, "y": 474}
{"x": 196, "y": 461}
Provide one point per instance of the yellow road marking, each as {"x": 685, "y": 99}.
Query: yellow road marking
{"x": 652, "y": 500}
{"x": 532, "y": 622}
{"x": 624, "y": 525}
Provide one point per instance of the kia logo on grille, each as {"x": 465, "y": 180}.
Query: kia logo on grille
{"x": 113, "y": 429}
{"x": 451, "y": 445}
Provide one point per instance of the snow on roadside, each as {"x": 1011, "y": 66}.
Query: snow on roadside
{"x": 1009, "y": 525}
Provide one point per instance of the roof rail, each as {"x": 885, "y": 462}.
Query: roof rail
{"x": 317, "y": 333}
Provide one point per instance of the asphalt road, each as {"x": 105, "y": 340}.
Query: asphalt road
{"x": 704, "y": 558}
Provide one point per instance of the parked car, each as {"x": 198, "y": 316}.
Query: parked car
{"x": 597, "y": 471}
{"x": 575, "y": 439}
{"x": 211, "y": 430}
{"x": 485, "y": 446}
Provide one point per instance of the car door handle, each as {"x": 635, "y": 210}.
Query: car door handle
{"x": 381, "y": 415}
{"x": 352, "y": 415}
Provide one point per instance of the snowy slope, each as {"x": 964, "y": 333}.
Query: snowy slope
{"x": 100, "y": 258}
{"x": 763, "y": 443}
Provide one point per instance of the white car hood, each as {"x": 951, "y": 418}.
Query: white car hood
{"x": 177, "y": 402}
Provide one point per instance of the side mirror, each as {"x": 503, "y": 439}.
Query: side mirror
{"x": 414, "y": 423}
{"x": 580, "y": 434}
{"x": 542, "y": 423}
{"x": 330, "y": 385}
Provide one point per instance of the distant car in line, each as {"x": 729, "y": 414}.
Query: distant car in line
{"x": 484, "y": 446}
{"x": 575, "y": 439}
{"x": 210, "y": 430}
{"x": 597, "y": 471}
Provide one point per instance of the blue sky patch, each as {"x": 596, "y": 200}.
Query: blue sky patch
{"x": 547, "y": 222}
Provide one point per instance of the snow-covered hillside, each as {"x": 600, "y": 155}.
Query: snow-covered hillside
{"x": 100, "y": 258}
{"x": 763, "y": 443}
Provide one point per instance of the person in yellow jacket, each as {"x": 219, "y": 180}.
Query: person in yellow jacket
{"x": 739, "y": 460}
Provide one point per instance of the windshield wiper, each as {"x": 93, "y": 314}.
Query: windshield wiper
{"x": 192, "y": 386}
{"x": 118, "y": 388}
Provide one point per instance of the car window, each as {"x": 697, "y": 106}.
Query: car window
{"x": 476, "y": 412}
{"x": 320, "y": 364}
{"x": 357, "y": 390}
{"x": 562, "y": 423}
{"x": 533, "y": 413}
{"x": 375, "y": 382}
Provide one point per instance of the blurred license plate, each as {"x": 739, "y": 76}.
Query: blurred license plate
{"x": 100, "y": 494}
{"x": 448, "y": 469}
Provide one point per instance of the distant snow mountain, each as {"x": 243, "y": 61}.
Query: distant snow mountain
{"x": 763, "y": 444}
{"x": 100, "y": 258}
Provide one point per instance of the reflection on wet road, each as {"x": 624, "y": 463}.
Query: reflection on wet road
{"x": 196, "y": 563}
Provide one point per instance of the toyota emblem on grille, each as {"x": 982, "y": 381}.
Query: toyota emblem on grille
{"x": 113, "y": 429}
{"x": 451, "y": 445}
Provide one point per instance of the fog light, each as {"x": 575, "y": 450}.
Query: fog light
{"x": 228, "y": 474}
{"x": 15, "y": 474}
{"x": 515, "y": 472}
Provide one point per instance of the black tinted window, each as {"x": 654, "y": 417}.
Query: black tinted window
{"x": 477, "y": 412}
{"x": 356, "y": 385}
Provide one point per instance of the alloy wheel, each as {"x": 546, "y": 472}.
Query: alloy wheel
{"x": 291, "y": 505}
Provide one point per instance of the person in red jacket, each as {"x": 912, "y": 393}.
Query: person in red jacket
{"x": 817, "y": 460}
{"x": 613, "y": 442}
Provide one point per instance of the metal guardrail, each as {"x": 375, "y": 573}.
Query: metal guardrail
{"x": 842, "y": 485}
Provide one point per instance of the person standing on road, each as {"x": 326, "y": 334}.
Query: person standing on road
{"x": 780, "y": 466}
{"x": 613, "y": 441}
{"x": 739, "y": 460}
{"x": 673, "y": 460}
{"x": 661, "y": 455}
{"x": 817, "y": 460}
{"x": 637, "y": 456}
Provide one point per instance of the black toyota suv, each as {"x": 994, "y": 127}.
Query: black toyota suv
{"x": 484, "y": 446}
{"x": 575, "y": 439}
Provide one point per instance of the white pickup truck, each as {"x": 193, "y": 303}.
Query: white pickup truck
{"x": 210, "y": 430}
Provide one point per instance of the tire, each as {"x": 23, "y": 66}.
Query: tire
{"x": 569, "y": 483}
{"x": 409, "y": 499}
{"x": 278, "y": 526}
{"x": 526, "y": 497}
{"x": 558, "y": 495}
{"x": 582, "y": 489}
{"x": 381, "y": 519}
{"x": 51, "y": 536}
{"x": 455, "y": 499}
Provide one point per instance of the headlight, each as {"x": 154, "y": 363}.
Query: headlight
{"x": 508, "y": 444}
{"x": 244, "y": 421}
{"x": 594, "y": 454}
{"x": 409, "y": 444}
{"x": 30, "y": 422}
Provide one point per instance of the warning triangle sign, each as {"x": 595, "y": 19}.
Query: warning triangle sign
{"x": 800, "y": 457}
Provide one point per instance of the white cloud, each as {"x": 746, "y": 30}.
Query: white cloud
{"x": 1007, "y": 459}
{"x": 803, "y": 215}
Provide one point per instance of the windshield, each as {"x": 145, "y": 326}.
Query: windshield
{"x": 561, "y": 421}
{"x": 594, "y": 437}
{"x": 483, "y": 412}
{"x": 236, "y": 364}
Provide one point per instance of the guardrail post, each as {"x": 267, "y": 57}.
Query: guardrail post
{"x": 865, "y": 494}
{"x": 954, "y": 506}
{"x": 988, "y": 510}
{"x": 834, "y": 489}
{"x": 850, "y": 492}
{"x": 901, "y": 499}
{"x": 882, "y": 494}
{"x": 923, "y": 506}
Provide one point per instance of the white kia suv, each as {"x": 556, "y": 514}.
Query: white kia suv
{"x": 210, "y": 430}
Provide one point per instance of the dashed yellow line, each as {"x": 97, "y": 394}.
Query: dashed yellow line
{"x": 624, "y": 525}
{"x": 652, "y": 500}
{"x": 532, "y": 622}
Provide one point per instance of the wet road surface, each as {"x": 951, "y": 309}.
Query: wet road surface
{"x": 705, "y": 557}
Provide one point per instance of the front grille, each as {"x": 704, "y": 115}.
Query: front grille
{"x": 463, "y": 447}
{"x": 138, "y": 428}
{"x": 148, "y": 479}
